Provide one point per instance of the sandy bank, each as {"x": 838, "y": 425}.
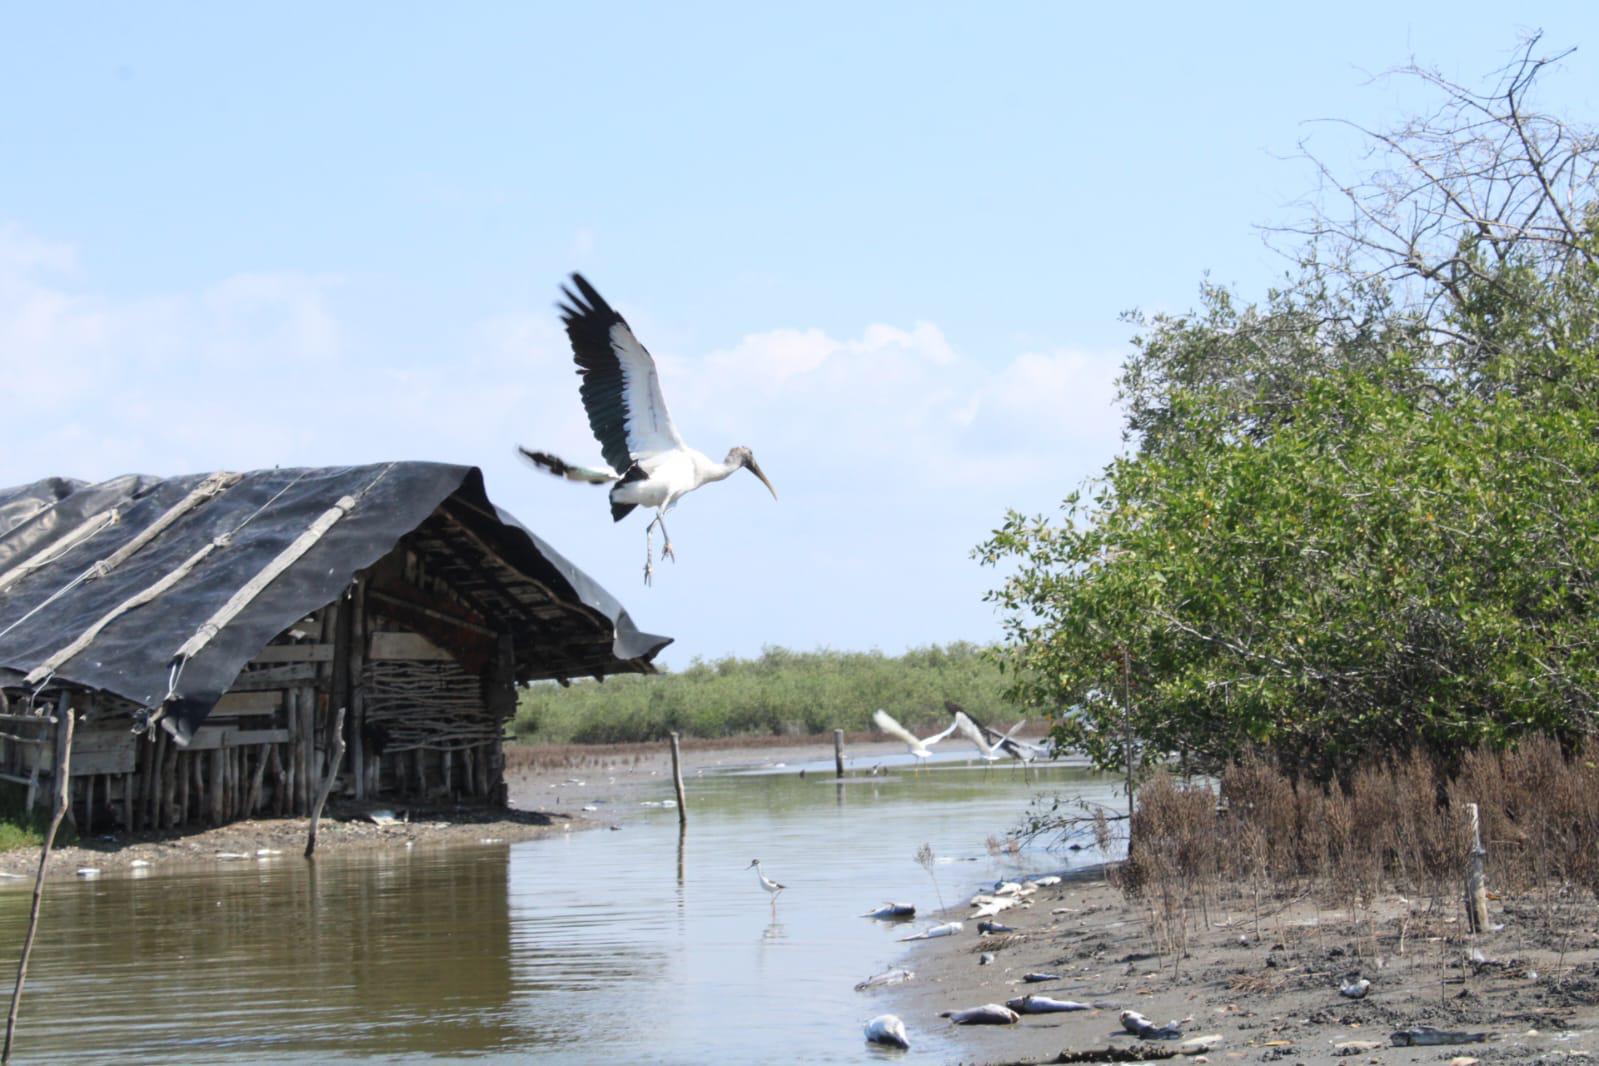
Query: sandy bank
{"x": 1271, "y": 992}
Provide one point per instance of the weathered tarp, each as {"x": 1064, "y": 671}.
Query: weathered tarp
{"x": 53, "y": 534}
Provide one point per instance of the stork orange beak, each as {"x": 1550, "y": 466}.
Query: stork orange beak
{"x": 755, "y": 468}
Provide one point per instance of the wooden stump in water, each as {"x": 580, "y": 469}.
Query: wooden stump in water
{"x": 677, "y": 782}
{"x": 331, "y": 774}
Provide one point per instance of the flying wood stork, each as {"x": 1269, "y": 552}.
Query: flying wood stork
{"x": 622, "y": 393}
{"x": 990, "y": 741}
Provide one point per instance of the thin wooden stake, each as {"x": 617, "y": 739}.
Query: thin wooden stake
{"x": 334, "y": 758}
{"x": 677, "y": 782}
{"x": 63, "y": 774}
{"x": 253, "y": 801}
{"x": 1476, "y": 878}
{"x": 838, "y": 752}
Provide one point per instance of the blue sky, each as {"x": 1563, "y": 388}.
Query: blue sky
{"x": 883, "y": 245}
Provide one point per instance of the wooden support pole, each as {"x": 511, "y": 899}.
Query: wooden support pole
{"x": 169, "y": 782}
{"x": 63, "y": 796}
{"x": 252, "y": 802}
{"x": 214, "y": 788}
{"x": 1476, "y": 877}
{"x": 677, "y": 782}
{"x": 280, "y": 787}
{"x": 335, "y": 757}
{"x": 838, "y": 752}
{"x": 357, "y": 688}
{"x": 185, "y": 759}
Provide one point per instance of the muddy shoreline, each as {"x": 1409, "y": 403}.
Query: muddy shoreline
{"x": 1267, "y": 984}
{"x": 553, "y": 789}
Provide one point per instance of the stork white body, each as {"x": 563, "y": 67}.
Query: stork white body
{"x": 990, "y": 742}
{"x": 651, "y": 466}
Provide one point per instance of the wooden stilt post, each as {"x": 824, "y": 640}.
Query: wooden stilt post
{"x": 63, "y": 796}
{"x": 280, "y": 787}
{"x": 838, "y": 752}
{"x": 1476, "y": 877}
{"x": 357, "y": 689}
{"x": 214, "y": 788}
{"x": 252, "y": 802}
{"x": 677, "y": 782}
{"x": 335, "y": 757}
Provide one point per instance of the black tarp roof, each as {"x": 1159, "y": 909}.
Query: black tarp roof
{"x": 54, "y": 532}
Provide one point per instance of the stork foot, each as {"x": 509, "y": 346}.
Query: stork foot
{"x": 667, "y": 552}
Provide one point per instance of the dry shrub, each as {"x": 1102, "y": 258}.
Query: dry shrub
{"x": 1173, "y": 857}
{"x": 1257, "y": 821}
{"x": 1393, "y": 827}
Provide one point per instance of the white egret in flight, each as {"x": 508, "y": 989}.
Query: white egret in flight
{"x": 916, "y": 746}
{"x": 650, "y": 464}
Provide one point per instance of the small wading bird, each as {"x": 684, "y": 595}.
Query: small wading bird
{"x": 766, "y": 882}
{"x": 622, "y": 393}
{"x": 917, "y": 747}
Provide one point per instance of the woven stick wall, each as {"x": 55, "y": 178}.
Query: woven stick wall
{"x": 432, "y": 705}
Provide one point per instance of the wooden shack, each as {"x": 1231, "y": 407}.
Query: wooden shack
{"x": 207, "y": 631}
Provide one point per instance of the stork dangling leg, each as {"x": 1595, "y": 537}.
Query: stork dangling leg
{"x": 666, "y": 538}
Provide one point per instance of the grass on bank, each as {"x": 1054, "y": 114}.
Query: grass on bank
{"x": 22, "y": 829}
{"x": 781, "y": 693}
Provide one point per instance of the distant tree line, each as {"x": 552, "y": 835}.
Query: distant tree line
{"x": 780, "y": 693}
{"x": 1359, "y": 516}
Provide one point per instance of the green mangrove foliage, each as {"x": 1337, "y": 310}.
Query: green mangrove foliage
{"x": 782, "y": 692}
{"x": 1362, "y": 516}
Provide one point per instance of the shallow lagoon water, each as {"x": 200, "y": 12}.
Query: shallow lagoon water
{"x": 636, "y": 945}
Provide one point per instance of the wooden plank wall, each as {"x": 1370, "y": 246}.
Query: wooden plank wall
{"x": 262, "y": 751}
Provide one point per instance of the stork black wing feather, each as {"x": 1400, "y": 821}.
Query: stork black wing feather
{"x": 589, "y": 320}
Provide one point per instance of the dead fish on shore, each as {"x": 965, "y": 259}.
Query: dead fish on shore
{"x": 1144, "y": 1029}
{"x": 994, "y": 927}
{"x": 1035, "y": 978}
{"x": 947, "y": 929}
{"x": 1046, "y": 882}
{"x": 1031, "y": 1004}
{"x": 892, "y": 910}
{"x": 987, "y": 1014}
{"x": 887, "y": 1029}
{"x": 1354, "y": 987}
{"x": 989, "y": 906}
{"x": 1427, "y": 1036}
{"x": 887, "y": 977}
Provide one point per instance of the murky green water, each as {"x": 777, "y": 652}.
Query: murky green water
{"x": 629, "y": 946}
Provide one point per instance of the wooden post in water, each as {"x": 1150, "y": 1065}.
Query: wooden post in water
{"x": 63, "y": 796}
{"x": 838, "y": 752}
{"x": 335, "y": 757}
{"x": 1476, "y": 877}
{"x": 677, "y": 782}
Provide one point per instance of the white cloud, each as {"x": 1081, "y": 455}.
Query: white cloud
{"x": 261, "y": 368}
{"x": 894, "y": 449}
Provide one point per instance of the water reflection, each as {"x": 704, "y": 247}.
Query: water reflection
{"x": 285, "y": 957}
{"x": 524, "y": 952}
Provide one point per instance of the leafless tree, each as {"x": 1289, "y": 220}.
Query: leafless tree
{"x": 1482, "y": 181}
